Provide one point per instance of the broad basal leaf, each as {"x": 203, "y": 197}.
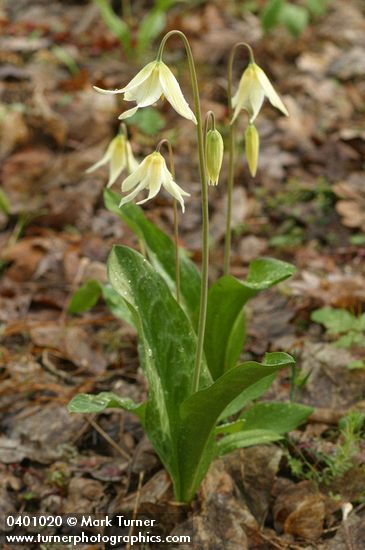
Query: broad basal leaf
{"x": 86, "y": 403}
{"x": 247, "y": 438}
{"x": 278, "y": 417}
{"x": 226, "y": 299}
{"x": 161, "y": 251}
{"x": 200, "y": 412}
{"x": 169, "y": 345}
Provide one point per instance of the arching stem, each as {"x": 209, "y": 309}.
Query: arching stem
{"x": 176, "y": 221}
{"x": 205, "y": 205}
{"x": 231, "y": 149}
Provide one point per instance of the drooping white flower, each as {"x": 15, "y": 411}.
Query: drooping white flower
{"x": 120, "y": 156}
{"x": 149, "y": 85}
{"x": 151, "y": 174}
{"x": 252, "y": 89}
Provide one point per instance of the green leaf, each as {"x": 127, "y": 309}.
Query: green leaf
{"x": 4, "y": 203}
{"x": 85, "y": 297}
{"x": 278, "y": 417}
{"x": 250, "y": 394}
{"x": 350, "y": 339}
{"x": 200, "y": 412}
{"x": 230, "y": 427}
{"x": 168, "y": 349}
{"x": 356, "y": 364}
{"x": 116, "y": 25}
{"x": 161, "y": 251}
{"x": 240, "y": 440}
{"x": 148, "y": 120}
{"x": 226, "y": 298}
{"x": 336, "y": 321}
{"x": 150, "y": 28}
{"x": 86, "y": 403}
{"x": 295, "y": 18}
{"x": 271, "y": 14}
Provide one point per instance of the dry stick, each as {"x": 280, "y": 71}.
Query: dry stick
{"x": 232, "y": 139}
{"x": 135, "y": 509}
{"x": 176, "y": 221}
{"x": 107, "y": 437}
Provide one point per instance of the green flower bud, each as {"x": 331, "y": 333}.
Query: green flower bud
{"x": 214, "y": 155}
{"x": 252, "y": 141}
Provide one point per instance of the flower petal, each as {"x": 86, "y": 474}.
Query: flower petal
{"x": 133, "y": 194}
{"x": 173, "y": 93}
{"x": 118, "y": 159}
{"x": 105, "y": 158}
{"x": 138, "y": 175}
{"x": 270, "y": 91}
{"x": 147, "y": 93}
{"x": 108, "y": 92}
{"x": 249, "y": 96}
{"x": 177, "y": 192}
{"x": 140, "y": 77}
{"x": 132, "y": 163}
{"x": 129, "y": 113}
{"x": 154, "y": 189}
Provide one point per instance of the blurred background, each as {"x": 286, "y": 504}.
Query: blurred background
{"x": 306, "y": 205}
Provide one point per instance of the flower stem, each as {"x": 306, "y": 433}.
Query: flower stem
{"x": 205, "y": 205}
{"x": 231, "y": 148}
{"x": 176, "y": 221}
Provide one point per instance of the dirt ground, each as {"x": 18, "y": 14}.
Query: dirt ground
{"x": 306, "y": 206}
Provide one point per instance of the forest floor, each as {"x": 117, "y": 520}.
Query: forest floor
{"x": 306, "y": 206}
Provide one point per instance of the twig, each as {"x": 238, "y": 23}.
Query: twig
{"x": 111, "y": 441}
{"x": 135, "y": 509}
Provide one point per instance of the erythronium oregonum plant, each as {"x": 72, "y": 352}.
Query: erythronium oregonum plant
{"x": 191, "y": 336}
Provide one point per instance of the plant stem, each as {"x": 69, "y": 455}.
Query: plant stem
{"x": 205, "y": 205}
{"x": 231, "y": 148}
{"x": 176, "y": 221}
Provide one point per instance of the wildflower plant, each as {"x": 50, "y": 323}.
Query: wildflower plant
{"x": 190, "y": 335}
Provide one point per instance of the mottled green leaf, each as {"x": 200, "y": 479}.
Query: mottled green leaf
{"x": 200, "y": 412}
{"x": 168, "y": 348}
{"x": 87, "y": 403}
{"x": 226, "y": 299}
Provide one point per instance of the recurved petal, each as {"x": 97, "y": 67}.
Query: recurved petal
{"x": 173, "y": 93}
{"x": 108, "y": 92}
{"x": 177, "y": 192}
{"x": 104, "y": 159}
{"x": 132, "y": 163}
{"x": 140, "y": 77}
{"x": 147, "y": 93}
{"x": 154, "y": 188}
{"x": 269, "y": 91}
{"x": 138, "y": 175}
{"x": 117, "y": 161}
{"x": 134, "y": 193}
{"x": 129, "y": 113}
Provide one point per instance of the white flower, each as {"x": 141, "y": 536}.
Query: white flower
{"x": 149, "y": 85}
{"x": 151, "y": 174}
{"x": 119, "y": 154}
{"x": 253, "y": 87}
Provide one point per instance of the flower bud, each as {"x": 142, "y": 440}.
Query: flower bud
{"x": 252, "y": 142}
{"x": 214, "y": 155}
